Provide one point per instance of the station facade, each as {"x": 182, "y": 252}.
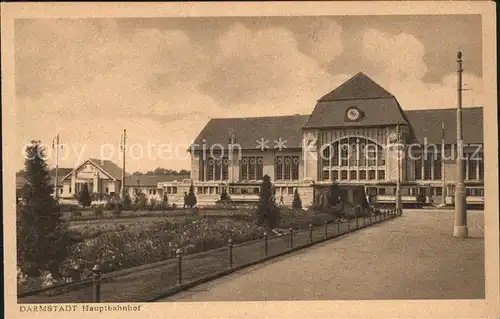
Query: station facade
{"x": 356, "y": 135}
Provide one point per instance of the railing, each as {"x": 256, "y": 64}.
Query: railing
{"x": 160, "y": 280}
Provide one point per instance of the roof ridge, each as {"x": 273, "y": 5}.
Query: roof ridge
{"x": 444, "y": 109}
{"x": 359, "y": 98}
{"x": 259, "y": 117}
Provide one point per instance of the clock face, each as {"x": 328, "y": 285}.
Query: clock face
{"x": 353, "y": 114}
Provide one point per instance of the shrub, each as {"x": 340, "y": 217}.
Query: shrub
{"x": 126, "y": 201}
{"x": 67, "y": 208}
{"x": 224, "y": 195}
{"x": 109, "y": 205}
{"x": 117, "y": 210}
{"x": 84, "y": 196}
{"x": 98, "y": 211}
{"x": 164, "y": 203}
{"x": 76, "y": 213}
{"x": 152, "y": 204}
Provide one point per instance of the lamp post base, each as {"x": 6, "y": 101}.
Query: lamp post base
{"x": 460, "y": 231}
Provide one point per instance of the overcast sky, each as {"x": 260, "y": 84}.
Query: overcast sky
{"x": 162, "y": 78}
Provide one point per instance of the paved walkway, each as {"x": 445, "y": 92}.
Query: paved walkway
{"x": 410, "y": 257}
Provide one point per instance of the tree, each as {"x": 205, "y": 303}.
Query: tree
{"x": 43, "y": 238}
{"x": 164, "y": 203}
{"x": 191, "y": 197}
{"x": 140, "y": 200}
{"x": 84, "y": 196}
{"x": 297, "y": 202}
{"x": 267, "y": 210}
{"x": 152, "y": 203}
{"x": 126, "y": 201}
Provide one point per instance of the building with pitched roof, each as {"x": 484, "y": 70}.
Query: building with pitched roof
{"x": 101, "y": 177}
{"x": 152, "y": 186}
{"x": 351, "y": 138}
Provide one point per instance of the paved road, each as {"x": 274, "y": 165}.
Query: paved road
{"x": 411, "y": 257}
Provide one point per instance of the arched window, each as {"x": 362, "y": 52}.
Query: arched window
{"x": 353, "y": 158}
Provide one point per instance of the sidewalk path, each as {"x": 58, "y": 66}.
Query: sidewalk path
{"x": 410, "y": 257}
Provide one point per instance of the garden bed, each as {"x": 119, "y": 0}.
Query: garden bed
{"x": 132, "y": 240}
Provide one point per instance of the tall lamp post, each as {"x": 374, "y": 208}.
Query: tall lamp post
{"x": 55, "y": 144}
{"x": 123, "y": 149}
{"x": 460, "y": 227}
{"x": 398, "y": 180}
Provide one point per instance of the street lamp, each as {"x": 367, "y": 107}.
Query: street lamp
{"x": 460, "y": 227}
{"x": 56, "y": 144}
{"x": 398, "y": 180}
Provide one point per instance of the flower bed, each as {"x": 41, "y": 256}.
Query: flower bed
{"x": 118, "y": 247}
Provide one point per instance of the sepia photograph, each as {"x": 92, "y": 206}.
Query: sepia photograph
{"x": 251, "y": 156}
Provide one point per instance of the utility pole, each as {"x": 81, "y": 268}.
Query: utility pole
{"x": 460, "y": 228}
{"x": 55, "y": 144}
{"x": 398, "y": 180}
{"x": 231, "y": 152}
{"x": 123, "y": 149}
{"x": 443, "y": 179}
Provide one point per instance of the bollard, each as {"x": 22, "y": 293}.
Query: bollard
{"x": 96, "y": 270}
{"x": 179, "y": 266}
{"x": 265, "y": 244}
{"x": 326, "y": 229}
{"x": 230, "y": 253}
{"x": 290, "y": 235}
{"x": 310, "y": 233}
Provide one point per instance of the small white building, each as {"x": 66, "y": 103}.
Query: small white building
{"x": 102, "y": 177}
{"x": 152, "y": 186}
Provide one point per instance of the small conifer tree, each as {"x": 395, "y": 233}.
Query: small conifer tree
{"x": 84, "y": 196}
{"x": 191, "y": 197}
{"x": 267, "y": 210}
{"x": 43, "y": 238}
{"x": 297, "y": 202}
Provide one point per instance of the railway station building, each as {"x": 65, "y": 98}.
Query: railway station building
{"x": 356, "y": 135}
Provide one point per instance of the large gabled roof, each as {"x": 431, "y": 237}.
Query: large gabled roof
{"x": 376, "y": 112}
{"x": 359, "y": 86}
{"x": 109, "y": 167}
{"x": 378, "y": 106}
{"x": 426, "y": 124}
{"x": 249, "y": 130}
{"x": 106, "y": 166}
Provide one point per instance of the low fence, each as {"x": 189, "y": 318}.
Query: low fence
{"x": 159, "y": 280}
